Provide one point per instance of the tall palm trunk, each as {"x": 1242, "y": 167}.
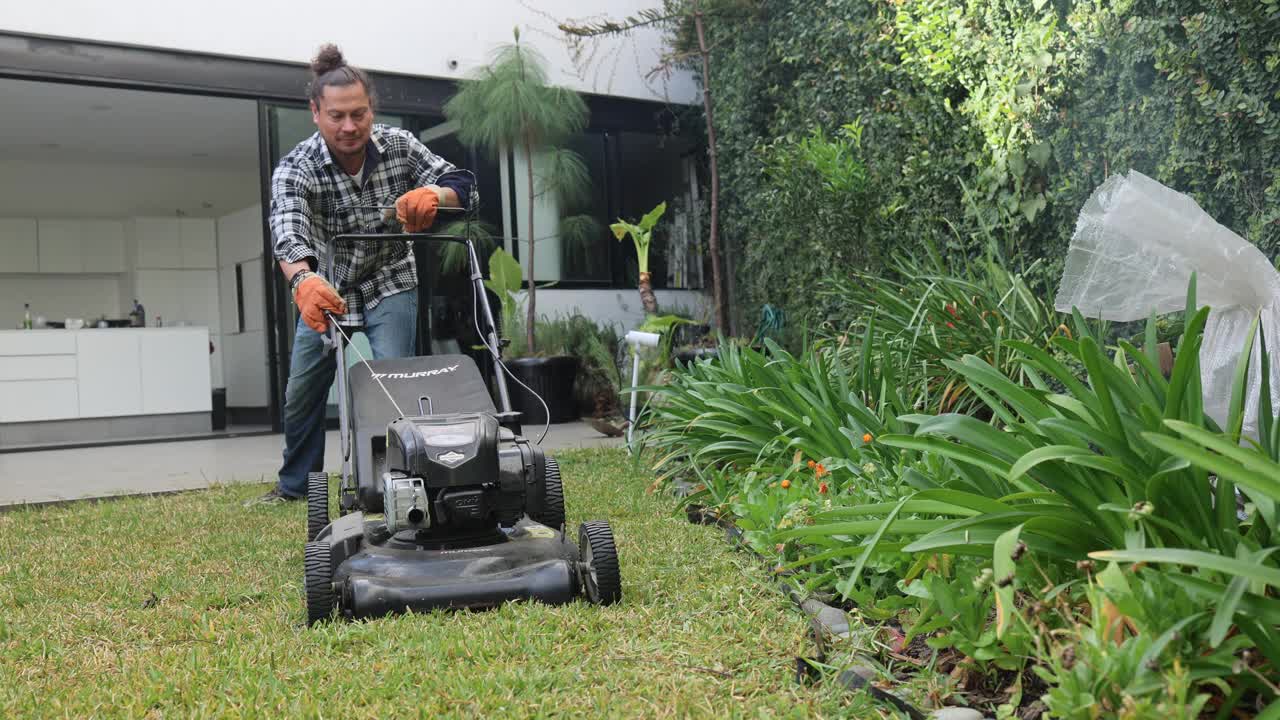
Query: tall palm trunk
{"x": 528, "y": 157}
{"x": 647, "y": 298}
{"x": 714, "y": 239}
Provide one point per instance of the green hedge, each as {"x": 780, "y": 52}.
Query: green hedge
{"x": 854, "y": 129}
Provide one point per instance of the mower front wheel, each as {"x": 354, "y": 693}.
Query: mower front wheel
{"x": 317, "y": 504}
{"x": 319, "y": 582}
{"x": 551, "y": 513}
{"x": 601, "y": 578}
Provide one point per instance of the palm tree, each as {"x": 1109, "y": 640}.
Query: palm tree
{"x": 508, "y": 104}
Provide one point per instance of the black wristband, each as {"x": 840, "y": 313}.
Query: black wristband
{"x": 297, "y": 278}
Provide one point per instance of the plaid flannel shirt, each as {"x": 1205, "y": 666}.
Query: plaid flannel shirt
{"x": 309, "y": 191}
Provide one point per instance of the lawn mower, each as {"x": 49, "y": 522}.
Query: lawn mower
{"x": 443, "y": 503}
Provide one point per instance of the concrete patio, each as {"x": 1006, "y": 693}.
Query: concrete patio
{"x": 44, "y": 476}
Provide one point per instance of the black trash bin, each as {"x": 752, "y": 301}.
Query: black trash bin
{"x": 219, "y": 409}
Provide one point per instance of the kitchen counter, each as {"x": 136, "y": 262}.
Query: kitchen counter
{"x": 57, "y": 374}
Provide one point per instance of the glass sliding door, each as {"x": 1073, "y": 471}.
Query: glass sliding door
{"x": 286, "y": 125}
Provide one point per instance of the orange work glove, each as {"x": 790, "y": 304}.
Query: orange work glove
{"x": 313, "y": 296}
{"x": 416, "y": 209}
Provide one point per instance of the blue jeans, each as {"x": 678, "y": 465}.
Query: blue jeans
{"x": 392, "y": 328}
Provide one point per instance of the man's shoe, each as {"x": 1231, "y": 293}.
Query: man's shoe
{"x": 272, "y": 497}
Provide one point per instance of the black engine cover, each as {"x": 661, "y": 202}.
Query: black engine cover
{"x": 445, "y": 451}
{"x": 472, "y": 484}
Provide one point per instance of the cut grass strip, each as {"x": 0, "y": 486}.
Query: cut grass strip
{"x": 191, "y": 606}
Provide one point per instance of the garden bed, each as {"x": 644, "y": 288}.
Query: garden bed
{"x": 1033, "y": 518}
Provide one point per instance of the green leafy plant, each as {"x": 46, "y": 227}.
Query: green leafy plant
{"x": 773, "y": 412}
{"x": 504, "y": 281}
{"x": 928, "y": 311}
{"x": 664, "y": 326}
{"x": 641, "y": 233}
{"x": 1084, "y": 456}
{"x": 598, "y": 382}
{"x": 1132, "y": 651}
{"x": 453, "y": 256}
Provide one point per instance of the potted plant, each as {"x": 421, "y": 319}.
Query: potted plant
{"x": 509, "y": 104}
{"x": 549, "y": 370}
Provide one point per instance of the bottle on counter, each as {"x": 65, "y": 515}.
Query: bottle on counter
{"x": 26, "y": 319}
{"x": 159, "y": 322}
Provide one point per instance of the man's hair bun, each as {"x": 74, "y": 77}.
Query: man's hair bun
{"x": 329, "y": 68}
{"x": 327, "y": 60}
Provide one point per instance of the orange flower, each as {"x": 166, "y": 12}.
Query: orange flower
{"x": 819, "y": 471}
{"x": 811, "y": 464}
{"x": 822, "y": 488}
{"x": 786, "y": 484}
{"x": 951, "y": 325}
{"x": 952, "y": 309}
{"x": 866, "y": 437}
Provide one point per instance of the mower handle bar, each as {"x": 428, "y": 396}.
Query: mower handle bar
{"x": 483, "y": 309}
{"x": 401, "y": 237}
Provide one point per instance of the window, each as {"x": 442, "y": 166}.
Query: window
{"x": 586, "y": 243}
{"x": 659, "y": 168}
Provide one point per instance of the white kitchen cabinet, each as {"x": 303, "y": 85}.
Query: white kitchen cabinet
{"x": 18, "y": 246}
{"x": 200, "y": 309}
{"x": 102, "y": 246}
{"x": 60, "y": 246}
{"x": 160, "y": 292}
{"x": 200, "y": 299}
{"x": 199, "y": 243}
{"x": 69, "y": 374}
{"x": 246, "y": 369}
{"x": 159, "y": 242}
{"x": 36, "y": 342}
{"x": 109, "y": 373}
{"x": 254, "y": 298}
{"x": 177, "y": 243}
{"x": 168, "y": 383}
{"x": 32, "y": 400}
{"x": 37, "y": 367}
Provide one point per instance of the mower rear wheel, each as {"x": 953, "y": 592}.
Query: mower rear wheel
{"x": 601, "y": 579}
{"x": 317, "y": 504}
{"x": 319, "y": 582}
{"x": 552, "y": 512}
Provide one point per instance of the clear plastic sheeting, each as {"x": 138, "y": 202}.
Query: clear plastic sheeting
{"x": 1135, "y": 247}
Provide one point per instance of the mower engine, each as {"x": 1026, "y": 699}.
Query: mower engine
{"x": 446, "y": 473}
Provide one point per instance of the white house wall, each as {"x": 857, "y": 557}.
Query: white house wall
{"x": 619, "y": 308}
{"x": 399, "y": 36}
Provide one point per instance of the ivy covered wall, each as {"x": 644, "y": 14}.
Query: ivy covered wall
{"x": 853, "y": 129}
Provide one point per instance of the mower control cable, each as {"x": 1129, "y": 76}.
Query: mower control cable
{"x": 365, "y": 360}
{"x": 495, "y": 352}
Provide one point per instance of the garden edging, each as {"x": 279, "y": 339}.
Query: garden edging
{"x": 828, "y": 625}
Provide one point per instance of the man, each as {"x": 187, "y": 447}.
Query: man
{"x": 348, "y": 162}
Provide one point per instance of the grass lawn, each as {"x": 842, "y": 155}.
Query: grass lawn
{"x": 191, "y": 606}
